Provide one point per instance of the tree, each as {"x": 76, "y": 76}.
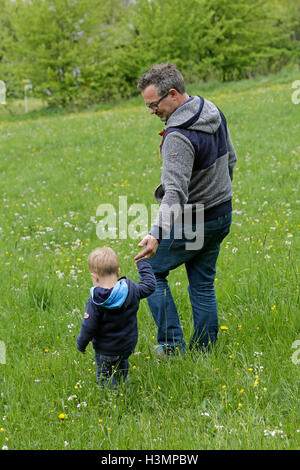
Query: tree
{"x": 59, "y": 42}
{"x": 87, "y": 51}
{"x": 7, "y": 39}
{"x": 223, "y": 39}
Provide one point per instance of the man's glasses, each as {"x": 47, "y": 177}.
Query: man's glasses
{"x": 154, "y": 105}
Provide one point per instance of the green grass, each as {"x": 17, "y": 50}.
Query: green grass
{"x": 56, "y": 169}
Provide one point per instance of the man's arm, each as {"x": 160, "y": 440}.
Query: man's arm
{"x": 178, "y": 161}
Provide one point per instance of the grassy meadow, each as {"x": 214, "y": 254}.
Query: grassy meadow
{"x": 56, "y": 169}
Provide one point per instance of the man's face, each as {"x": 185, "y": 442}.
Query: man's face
{"x": 166, "y": 106}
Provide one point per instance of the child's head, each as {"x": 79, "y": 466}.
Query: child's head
{"x": 103, "y": 262}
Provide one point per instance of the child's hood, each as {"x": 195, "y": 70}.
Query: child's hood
{"x": 110, "y": 298}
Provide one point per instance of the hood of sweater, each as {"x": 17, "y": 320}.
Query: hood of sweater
{"x": 110, "y": 298}
{"x": 196, "y": 113}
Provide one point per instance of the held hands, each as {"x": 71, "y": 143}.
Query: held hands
{"x": 150, "y": 245}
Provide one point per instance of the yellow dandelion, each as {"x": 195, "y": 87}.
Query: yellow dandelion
{"x": 242, "y": 390}
{"x": 224, "y": 328}
{"x": 62, "y": 416}
{"x": 100, "y": 421}
{"x": 240, "y": 406}
{"x": 255, "y": 383}
{"x": 223, "y": 386}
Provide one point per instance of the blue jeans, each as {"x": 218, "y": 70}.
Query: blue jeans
{"x": 201, "y": 270}
{"x": 112, "y": 369}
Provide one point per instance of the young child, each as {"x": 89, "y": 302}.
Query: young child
{"x": 110, "y": 319}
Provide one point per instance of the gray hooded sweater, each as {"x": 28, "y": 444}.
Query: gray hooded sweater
{"x": 198, "y": 161}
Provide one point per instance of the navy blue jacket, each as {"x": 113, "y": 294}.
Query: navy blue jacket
{"x": 110, "y": 319}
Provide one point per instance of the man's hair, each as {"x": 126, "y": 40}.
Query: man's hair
{"x": 103, "y": 261}
{"x": 163, "y": 77}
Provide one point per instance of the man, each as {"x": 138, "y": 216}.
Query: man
{"x": 197, "y": 169}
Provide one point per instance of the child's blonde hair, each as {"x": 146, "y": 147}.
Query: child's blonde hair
{"x": 103, "y": 261}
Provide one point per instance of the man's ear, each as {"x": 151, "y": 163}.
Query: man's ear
{"x": 173, "y": 92}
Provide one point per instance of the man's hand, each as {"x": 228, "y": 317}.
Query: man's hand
{"x": 150, "y": 246}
